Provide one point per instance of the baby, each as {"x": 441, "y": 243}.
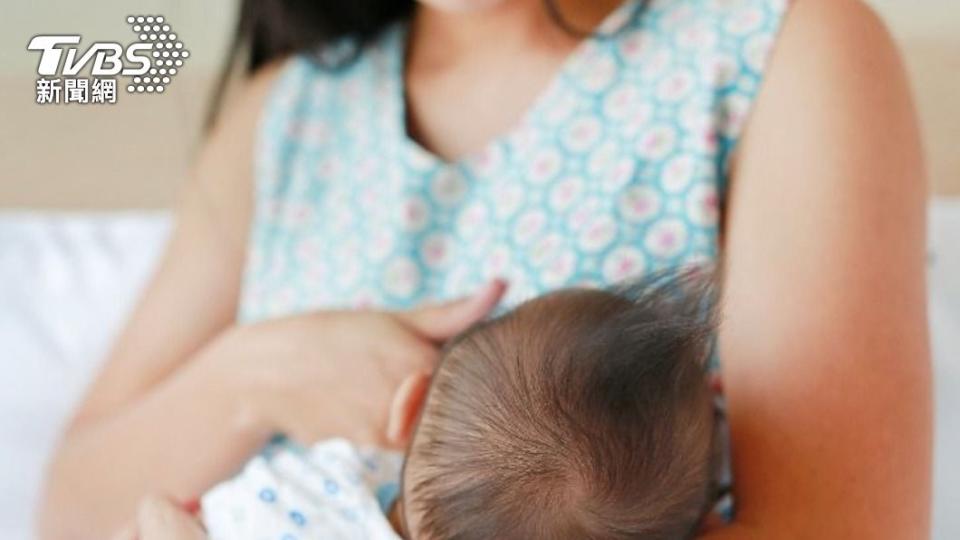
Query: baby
{"x": 579, "y": 414}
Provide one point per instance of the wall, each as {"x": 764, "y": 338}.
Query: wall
{"x": 928, "y": 32}
{"x": 134, "y": 153}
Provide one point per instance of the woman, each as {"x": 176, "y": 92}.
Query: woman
{"x": 467, "y": 139}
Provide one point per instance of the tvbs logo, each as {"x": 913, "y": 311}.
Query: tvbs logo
{"x": 148, "y": 64}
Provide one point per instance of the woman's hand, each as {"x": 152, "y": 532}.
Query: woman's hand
{"x": 333, "y": 373}
{"x": 319, "y": 375}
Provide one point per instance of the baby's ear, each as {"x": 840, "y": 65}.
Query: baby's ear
{"x": 406, "y": 404}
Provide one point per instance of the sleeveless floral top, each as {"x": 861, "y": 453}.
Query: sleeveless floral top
{"x": 617, "y": 168}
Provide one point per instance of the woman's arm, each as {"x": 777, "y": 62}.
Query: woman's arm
{"x": 824, "y": 342}
{"x": 157, "y": 401}
{"x": 187, "y": 396}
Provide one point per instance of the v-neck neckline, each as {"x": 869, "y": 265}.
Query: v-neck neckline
{"x": 413, "y": 149}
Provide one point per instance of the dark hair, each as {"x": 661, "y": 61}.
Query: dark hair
{"x": 270, "y": 29}
{"x": 580, "y": 414}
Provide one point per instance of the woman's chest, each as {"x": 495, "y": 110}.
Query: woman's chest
{"x": 572, "y": 208}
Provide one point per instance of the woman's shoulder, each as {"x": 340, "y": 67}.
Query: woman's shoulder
{"x": 836, "y": 49}
{"x": 837, "y": 85}
{"x": 831, "y": 23}
{"x": 823, "y": 24}
{"x": 243, "y": 103}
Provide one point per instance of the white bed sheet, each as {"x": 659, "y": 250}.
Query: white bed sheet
{"x": 68, "y": 280}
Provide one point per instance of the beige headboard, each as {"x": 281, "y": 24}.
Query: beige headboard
{"x": 137, "y": 152}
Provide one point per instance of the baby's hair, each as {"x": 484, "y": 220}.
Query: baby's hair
{"x": 580, "y": 414}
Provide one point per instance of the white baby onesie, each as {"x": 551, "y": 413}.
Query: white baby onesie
{"x": 332, "y": 490}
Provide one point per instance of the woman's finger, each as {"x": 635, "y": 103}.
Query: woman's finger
{"x": 440, "y": 322}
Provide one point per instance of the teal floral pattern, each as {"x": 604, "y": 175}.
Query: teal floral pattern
{"x": 618, "y": 168}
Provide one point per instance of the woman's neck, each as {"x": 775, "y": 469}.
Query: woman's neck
{"x": 470, "y": 77}
{"x": 439, "y": 37}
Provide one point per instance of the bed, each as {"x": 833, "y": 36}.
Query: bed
{"x": 68, "y": 280}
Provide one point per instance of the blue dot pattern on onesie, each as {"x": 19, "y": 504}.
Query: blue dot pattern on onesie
{"x": 331, "y": 487}
{"x": 268, "y": 495}
{"x": 305, "y": 492}
{"x": 297, "y": 518}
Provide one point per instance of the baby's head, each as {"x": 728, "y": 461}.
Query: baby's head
{"x": 579, "y": 414}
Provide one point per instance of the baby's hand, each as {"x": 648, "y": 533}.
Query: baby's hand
{"x": 159, "y": 519}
